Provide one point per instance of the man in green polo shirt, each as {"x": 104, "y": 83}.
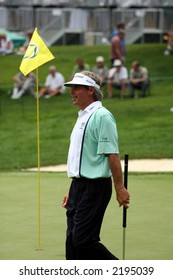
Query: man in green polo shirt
{"x": 93, "y": 159}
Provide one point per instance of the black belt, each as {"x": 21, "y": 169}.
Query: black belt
{"x": 80, "y": 178}
{"x": 86, "y": 179}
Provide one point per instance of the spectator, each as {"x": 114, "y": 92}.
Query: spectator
{"x": 54, "y": 84}
{"x": 101, "y": 70}
{"x": 80, "y": 66}
{"x": 117, "y": 48}
{"x": 121, "y": 26}
{"x": 6, "y": 45}
{"x": 169, "y": 48}
{"x": 138, "y": 79}
{"x": 23, "y": 49}
{"x": 23, "y": 84}
{"x": 118, "y": 78}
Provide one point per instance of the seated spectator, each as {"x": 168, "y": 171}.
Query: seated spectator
{"x": 23, "y": 84}
{"x": 23, "y": 49}
{"x": 80, "y": 66}
{"x": 54, "y": 84}
{"x": 6, "y": 45}
{"x": 101, "y": 70}
{"x": 138, "y": 79}
{"x": 118, "y": 78}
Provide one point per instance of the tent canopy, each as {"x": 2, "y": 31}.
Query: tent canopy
{"x": 17, "y": 39}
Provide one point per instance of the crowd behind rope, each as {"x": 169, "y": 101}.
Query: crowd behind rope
{"x": 116, "y": 80}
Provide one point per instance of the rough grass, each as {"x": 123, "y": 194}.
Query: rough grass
{"x": 144, "y": 125}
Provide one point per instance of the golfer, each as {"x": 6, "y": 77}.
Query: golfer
{"x": 92, "y": 159}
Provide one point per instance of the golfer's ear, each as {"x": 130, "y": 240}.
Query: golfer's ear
{"x": 91, "y": 90}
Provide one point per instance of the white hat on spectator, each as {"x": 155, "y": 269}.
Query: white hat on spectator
{"x": 52, "y": 67}
{"x": 100, "y": 59}
{"x": 117, "y": 62}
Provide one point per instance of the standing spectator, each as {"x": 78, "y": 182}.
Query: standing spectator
{"x": 23, "y": 84}
{"x": 6, "y": 45}
{"x": 138, "y": 79}
{"x": 117, "y": 49}
{"x": 54, "y": 84}
{"x": 169, "y": 49}
{"x": 121, "y": 26}
{"x": 92, "y": 159}
{"x": 118, "y": 78}
{"x": 80, "y": 66}
{"x": 101, "y": 70}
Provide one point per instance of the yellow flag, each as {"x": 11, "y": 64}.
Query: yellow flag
{"x": 36, "y": 54}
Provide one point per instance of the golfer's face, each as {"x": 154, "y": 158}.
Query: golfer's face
{"x": 81, "y": 96}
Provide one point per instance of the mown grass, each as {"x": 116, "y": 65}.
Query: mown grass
{"x": 149, "y": 218}
{"x": 144, "y": 125}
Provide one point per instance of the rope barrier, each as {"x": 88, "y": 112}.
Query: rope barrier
{"x": 151, "y": 79}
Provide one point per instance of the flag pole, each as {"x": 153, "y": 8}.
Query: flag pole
{"x": 38, "y": 155}
{"x": 125, "y": 209}
{"x": 36, "y": 55}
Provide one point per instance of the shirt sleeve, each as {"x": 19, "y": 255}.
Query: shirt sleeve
{"x": 144, "y": 73}
{"x": 107, "y": 135}
{"x": 111, "y": 73}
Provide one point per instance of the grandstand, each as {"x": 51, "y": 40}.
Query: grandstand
{"x": 88, "y": 22}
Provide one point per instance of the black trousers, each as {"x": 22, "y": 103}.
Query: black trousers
{"x": 88, "y": 200}
{"x": 141, "y": 85}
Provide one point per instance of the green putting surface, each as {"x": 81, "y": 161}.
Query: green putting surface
{"x": 149, "y": 218}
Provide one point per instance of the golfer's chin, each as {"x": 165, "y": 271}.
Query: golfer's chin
{"x": 74, "y": 100}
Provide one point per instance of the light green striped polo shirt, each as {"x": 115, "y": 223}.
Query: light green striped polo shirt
{"x": 100, "y": 139}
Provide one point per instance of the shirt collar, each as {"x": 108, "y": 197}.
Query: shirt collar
{"x": 91, "y": 108}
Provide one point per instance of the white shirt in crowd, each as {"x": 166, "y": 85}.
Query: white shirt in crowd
{"x": 55, "y": 81}
{"x": 118, "y": 76}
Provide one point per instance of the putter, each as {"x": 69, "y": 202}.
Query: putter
{"x": 125, "y": 209}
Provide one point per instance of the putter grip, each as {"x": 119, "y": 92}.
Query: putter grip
{"x": 125, "y": 185}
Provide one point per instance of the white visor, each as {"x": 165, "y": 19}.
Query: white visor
{"x": 81, "y": 79}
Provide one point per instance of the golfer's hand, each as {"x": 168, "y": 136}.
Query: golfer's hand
{"x": 123, "y": 197}
{"x": 65, "y": 200}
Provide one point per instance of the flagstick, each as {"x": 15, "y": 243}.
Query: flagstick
{"x": 38, "y": 151}
{"x": 36, "y": 55}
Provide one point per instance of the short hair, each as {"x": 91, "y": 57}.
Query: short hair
{"x": 121, "y": 25}
{"x": 98, "y": 95}
{"x": 136, "y": 63}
